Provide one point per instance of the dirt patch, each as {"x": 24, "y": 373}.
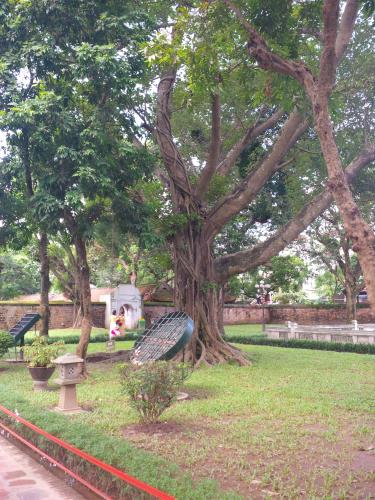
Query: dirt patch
{"x": 102, "y": 357}
{"x": 315, "y": 460}
{"x": 165, "y": 437}
{"x": 364, "y": 461}
{"x": 316, "y": 428}
{"x": 159, "y": 428}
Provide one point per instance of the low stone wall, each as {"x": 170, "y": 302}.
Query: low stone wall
{"x": 344, "y": 334}
{"x": 62, "y": 315}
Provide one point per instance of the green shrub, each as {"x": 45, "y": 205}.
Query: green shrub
{"x": 97, "y": 339}
{"x": 6, "y": 341}
{"x": 41, "y": 353}
{"x": 152, "y": 387}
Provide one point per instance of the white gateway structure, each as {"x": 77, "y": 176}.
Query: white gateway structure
{"x": 128, "y": 297}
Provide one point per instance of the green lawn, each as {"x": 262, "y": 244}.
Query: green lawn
{"x": 243, "y": 330}
{"x": 293, "y": 423}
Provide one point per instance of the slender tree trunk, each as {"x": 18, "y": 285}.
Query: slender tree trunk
{"x": 351, "y": 302}
{"x": 84, "y": 274}
{"x": 77, "y": 294}
{"x": 44, "y": 284}
{"x": 68, "y": 276}
{"x": 198, "y": 295}
{"x": 84, "y": 283}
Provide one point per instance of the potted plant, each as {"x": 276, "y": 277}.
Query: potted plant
{"x": 39, "y": 355}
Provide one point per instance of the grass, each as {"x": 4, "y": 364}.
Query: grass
{"x": 243, "y": 330}
{"x": 292, "y": 423}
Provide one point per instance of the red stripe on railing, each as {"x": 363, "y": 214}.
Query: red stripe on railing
{"x": 140, "y": 485}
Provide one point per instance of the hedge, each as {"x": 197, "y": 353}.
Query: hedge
{"x": 304, "y": 344}
{"x": 258, "y": 339}
{"x": 74, "y": 339}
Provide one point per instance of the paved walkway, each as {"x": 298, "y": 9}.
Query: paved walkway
{"x": 23, "y": 478}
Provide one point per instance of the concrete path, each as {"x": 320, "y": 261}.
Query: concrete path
{"x": 23, "y": 478}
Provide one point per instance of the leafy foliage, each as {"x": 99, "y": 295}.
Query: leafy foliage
{"x": 19, "y": 275}
{"x": 6, "y": 342}
{"x": 152, "y": 387}
{"x": 40, "y": 353}
{"x": 284, "y": 274}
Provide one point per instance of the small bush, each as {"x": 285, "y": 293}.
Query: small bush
{"x": 6, "y": 341}
{"x": 152, "y": 387}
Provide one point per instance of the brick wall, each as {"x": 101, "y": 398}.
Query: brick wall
{"x": 62, "y": 315}
{"x": 305, "y": 315}
{"x": 241, "y": 314}
{"x": 233, "y": 314}
{"x": 152, "y": 312}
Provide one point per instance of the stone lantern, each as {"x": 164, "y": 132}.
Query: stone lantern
{"x": 70, "y": 374}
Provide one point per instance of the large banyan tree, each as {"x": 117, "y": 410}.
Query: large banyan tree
{"x": 216, "y": 110}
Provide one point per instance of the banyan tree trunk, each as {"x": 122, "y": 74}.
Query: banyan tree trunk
{"x": 198, "y": 295}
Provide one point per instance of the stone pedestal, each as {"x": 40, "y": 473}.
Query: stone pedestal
{"x": 70, "y": 370}
{"x": 68, "y": 400}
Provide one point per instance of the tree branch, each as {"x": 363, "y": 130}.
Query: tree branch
{"x": 250, "y": 135}
{"x": 267, "y": 59}
{"x": 171, "y": 156}
{"x": 240, "y": 262}
{"x": 346, "y": 27}
{"x": 246, "y": 192}
{"x": 335, "y": 43}
{"x": 214, "y": 150}
{"x": 328, "y": 60}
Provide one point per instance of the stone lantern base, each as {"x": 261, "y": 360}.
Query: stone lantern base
{"x": 70, "y": 374}
{"x": 68, "y": 400}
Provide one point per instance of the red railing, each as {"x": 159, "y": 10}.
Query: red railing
{"x": 130, "y": 480}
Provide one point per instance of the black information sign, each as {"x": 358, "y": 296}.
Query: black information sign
{"x": 164, "y": 339}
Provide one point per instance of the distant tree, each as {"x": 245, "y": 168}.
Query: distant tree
{"x": 19, "y": 275}
{"x": 330, "y": 248}
{"x": 328, "y": 285}
{"x": 283, "y": 275}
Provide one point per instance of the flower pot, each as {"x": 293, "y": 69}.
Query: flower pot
{"x": 40, "y": 376}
